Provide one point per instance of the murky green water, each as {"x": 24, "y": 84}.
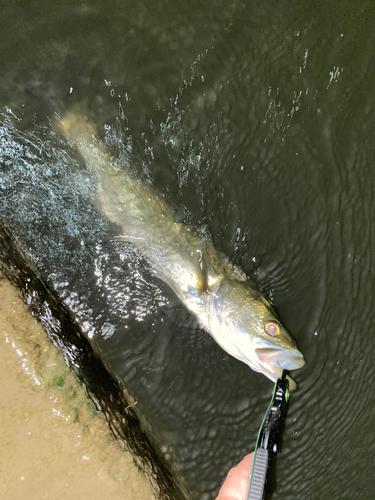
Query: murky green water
{"x": 255, "y": 121}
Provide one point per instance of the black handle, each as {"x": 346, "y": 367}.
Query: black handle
{"x": 258, "y": 475}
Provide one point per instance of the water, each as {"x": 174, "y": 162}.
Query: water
{"x": 255, "y": 123}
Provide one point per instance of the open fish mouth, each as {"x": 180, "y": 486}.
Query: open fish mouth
{"x": 273, "y": 361}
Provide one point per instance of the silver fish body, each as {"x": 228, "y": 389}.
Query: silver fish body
{"x": 238, "y": 317}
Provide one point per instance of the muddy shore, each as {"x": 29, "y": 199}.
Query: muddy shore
{"x": 53, "y": 442}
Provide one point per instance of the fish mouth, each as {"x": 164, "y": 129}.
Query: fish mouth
{"x": 274, "y": 360}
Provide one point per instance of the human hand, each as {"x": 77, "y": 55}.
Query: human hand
{"x": 236, "y": 484}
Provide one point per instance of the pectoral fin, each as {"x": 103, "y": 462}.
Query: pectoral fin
{"x": 202, "y": 276}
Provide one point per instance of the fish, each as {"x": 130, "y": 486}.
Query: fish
{"x": 227, "y": 305}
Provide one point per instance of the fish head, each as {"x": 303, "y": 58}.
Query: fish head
{"x": 245, "y": 325}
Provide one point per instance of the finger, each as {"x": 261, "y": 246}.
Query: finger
{"x": 237, "y": 482}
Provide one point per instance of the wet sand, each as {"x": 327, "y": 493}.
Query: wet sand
{"x": 53, "y": 444}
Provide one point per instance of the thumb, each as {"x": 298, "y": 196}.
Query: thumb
{"x": 237, "y": 482}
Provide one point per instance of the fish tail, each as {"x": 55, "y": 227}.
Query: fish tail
{"x": 75, "y": 126}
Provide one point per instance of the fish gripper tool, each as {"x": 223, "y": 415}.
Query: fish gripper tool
{"x": 268, "y": 439}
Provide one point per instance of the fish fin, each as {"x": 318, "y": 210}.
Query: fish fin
{"x": 202, "y": 281}
{"x": 136, "y": 240}
{"x": 214, "y": 288}
{"x": 292, "y": 383}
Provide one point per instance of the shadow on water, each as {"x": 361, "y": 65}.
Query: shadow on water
{"x": 255, "y": 123}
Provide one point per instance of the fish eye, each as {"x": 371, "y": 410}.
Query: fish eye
{"x": 272, "y": 328}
